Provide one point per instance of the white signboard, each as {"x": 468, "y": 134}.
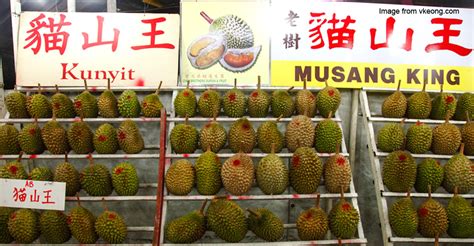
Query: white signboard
{"x": 66, "y": 48}
{"x": 357, "y": 45}
{"x": 18, "y": 193}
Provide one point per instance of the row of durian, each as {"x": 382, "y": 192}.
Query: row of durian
{"x": 94, "y": 178}
{"x": 238, "y": 173}
{"x": 300, "y": 132}
{"x": 24, "y": 226}
{"x": 236, "y": 104}
{"x": 443, "y": 139}
{"x": 431, "y": 218}
{"x": 31, "y": 139}
{"x": 421, "y": 106}
{"x": 400, "y": 173}
{"x": 230, "y": 223}
{"x": 84, "y": 105}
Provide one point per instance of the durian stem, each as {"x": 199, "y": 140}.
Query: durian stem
{"x": 20, "y": 155}
{"x": 304, "y": 83}
{"x": 91, "y": 160}
{"x": 330, "y": 115}
{"x": 54, "y": 115}
{"x": 436, "y": 242}
{"x": 208, "y": 147}
{"x": 408, "y": 193}
{"x": 289, "y": 89}
{"x": 15, "y": 89}
{"x": 456, "y": 190}
{"x": 402, "y": 122}
{"x": 157, "y": 92}
{"x": 186, "y": 119}
{"x": 424, "y": 85}
{"x": 85, "y": 85}
{"x": 235, "y": 82}
{"x": 461, "y": 149}
{"x": 338, "y": 146}
{"x": 279, "y": 118}
{"x": 104, "y": 204}
{"x": 468, "y": 117}
{"x": 206, "y": 17}
{"x": 429, "y": 191}
{"x": 187, "y": 84}
{"x": 399, "y": 84}
{"x": 65, "y": 157}
{"x": 220, "y": 197}
{"x": 214, "y": 117}
{"x": 78, "y": 199}
{"x": 441, "y": 91}
{"x": 318, "y": 199}
{"x": 446, "y": 118}
{"x": 203, "y": 206}
{"x": 273, "y": 148}
{"x": 108, "y": 84}
{"x": 258, "y": 82}
{"x": 39, "y": 88}
{"x": 57, "y": 88}
{"x": 253, "y": 212}
{"x": 342, "y": 192}
{"x": 326, "y": 83}
{"x": 36, "y": 120}
{"x": 339, "y": 242}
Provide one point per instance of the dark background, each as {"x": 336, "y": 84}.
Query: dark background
{"x": 130, "y": 6}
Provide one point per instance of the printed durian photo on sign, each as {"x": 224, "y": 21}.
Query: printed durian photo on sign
{"x": 223, "y": 41}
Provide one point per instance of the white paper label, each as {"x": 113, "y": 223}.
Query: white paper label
{"x": 17, "y": 193}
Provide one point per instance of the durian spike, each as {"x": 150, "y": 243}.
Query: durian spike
{"x": 461, "y": 149}
{"x": 108, "y": 84}
{"x": 436, "y": 242}
{"x": 273, "y": 148}
{"x": 20, "y": 155}
{"x": 203, "y": 206}
{"x": 253, "y": 212}
{"x": 342, "y": 192}
{"x": 78, "y": 199}
{"x": 289, "y": 89}
{"x": 39, "y": 88}
{"x": 304, "y": 83}
{"x": 206, "y": 17}
{"x": 424, "y": 85}
{"x": 235, "y": 82}
{"x": 57, "y": 88}
{"x": 157, "y": 92}
{"x": 65, "y": 157}
{"x": 258, "y": 82}
{"x": 318, "y": 199}
{"x": 104, "y": 204}
{"x": 429, "y": 191}
{"x": 330, "y": 115}
{"x": 399, "y": 84}
{"x": 187, "y": 84}
{"x": 326, "y": 83}
{"x": 279, "y": 118}
{"x": 456, "y": 190}
{"x": 85, "y": 85}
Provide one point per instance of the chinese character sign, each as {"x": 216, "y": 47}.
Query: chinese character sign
{"x": 66, "y": 48}
{"x": 17, "y": 193}
{"x": 354, "y": 45}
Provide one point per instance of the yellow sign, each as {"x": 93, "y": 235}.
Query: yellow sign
{"x": 221, "y": 41}
{"x": 373, "y": 75}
